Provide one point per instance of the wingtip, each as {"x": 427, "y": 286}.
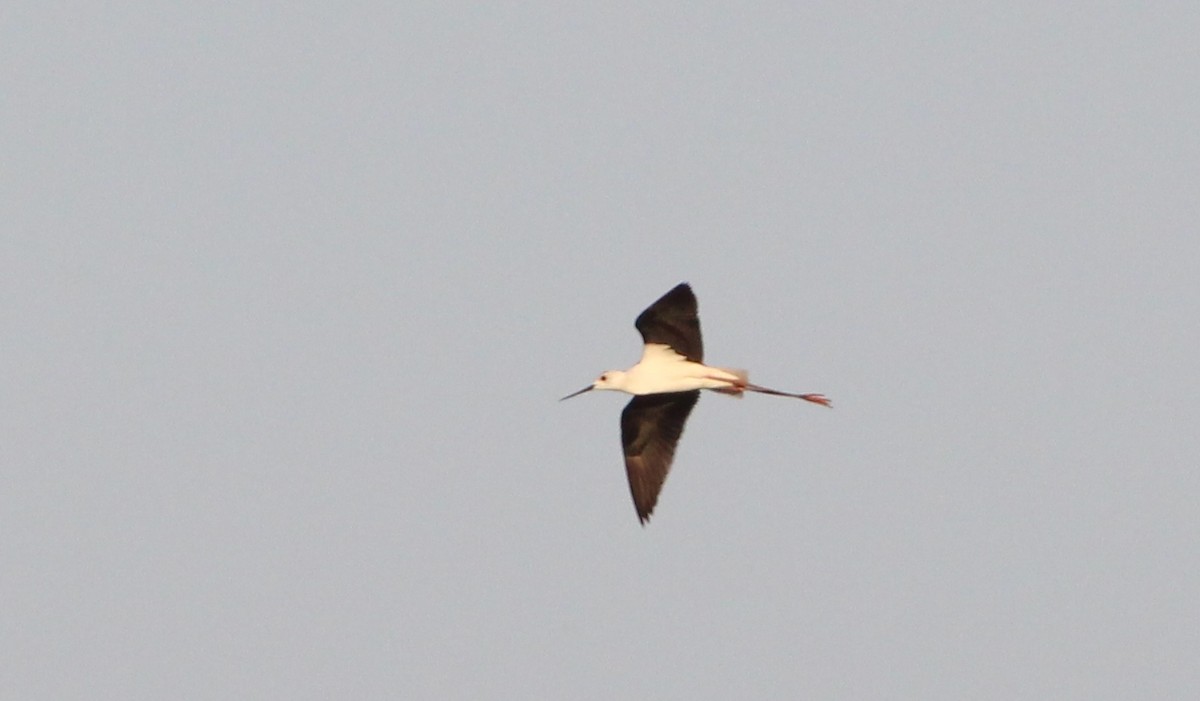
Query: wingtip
{"x": 681, "y": 287}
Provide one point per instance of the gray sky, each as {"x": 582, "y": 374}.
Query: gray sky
{"x": 289, "y": 293}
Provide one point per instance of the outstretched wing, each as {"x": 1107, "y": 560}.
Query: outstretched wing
{"x": 673, "y": 321}
{"x": 650, "y": 428}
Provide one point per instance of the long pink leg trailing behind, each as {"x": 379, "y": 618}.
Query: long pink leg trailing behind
{"x": 814, "y": 398}
{"x": 737, "y": 389}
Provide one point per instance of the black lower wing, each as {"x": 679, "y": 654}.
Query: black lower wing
{"x": 650, "y": 428}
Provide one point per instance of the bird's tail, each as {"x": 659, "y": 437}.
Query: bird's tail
{"x": 738, "y": 388}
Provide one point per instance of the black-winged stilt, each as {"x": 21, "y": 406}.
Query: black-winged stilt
{"x": 666, "y": 384}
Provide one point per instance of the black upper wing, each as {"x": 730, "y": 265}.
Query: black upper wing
{"x": 673, "y": 321}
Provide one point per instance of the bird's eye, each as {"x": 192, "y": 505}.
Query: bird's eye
{"x": 604, "y": 378}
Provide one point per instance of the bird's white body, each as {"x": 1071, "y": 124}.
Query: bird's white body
{"x": 663, "y": 370}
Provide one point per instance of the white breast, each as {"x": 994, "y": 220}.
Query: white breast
{"x": 661, "y": 369}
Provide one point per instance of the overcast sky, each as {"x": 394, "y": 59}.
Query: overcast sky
{"x": 290, "y": 291}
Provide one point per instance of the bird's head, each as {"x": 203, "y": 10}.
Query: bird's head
{"x": 613, "y": 379}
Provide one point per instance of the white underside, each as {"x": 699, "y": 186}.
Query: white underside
{"x": 663, "y": 370}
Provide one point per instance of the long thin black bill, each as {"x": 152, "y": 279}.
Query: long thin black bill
{"x": 576, "y": 394}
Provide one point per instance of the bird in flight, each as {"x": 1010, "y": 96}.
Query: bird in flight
{"x": 665, "y": 385}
